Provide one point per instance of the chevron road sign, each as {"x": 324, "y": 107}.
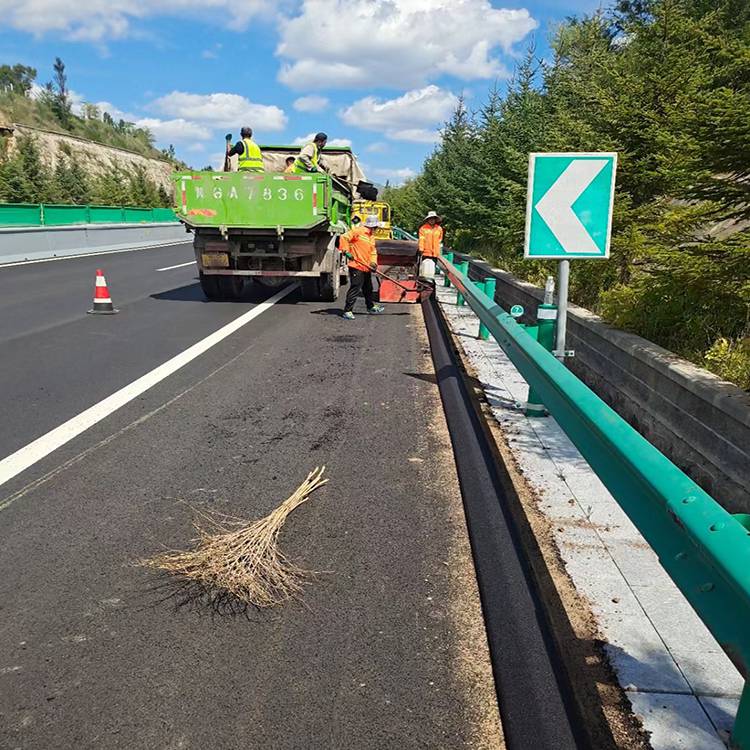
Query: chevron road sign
{"x": 569, "y": 205}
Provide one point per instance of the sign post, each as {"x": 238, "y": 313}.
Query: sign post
{"x": 569, "y": 216}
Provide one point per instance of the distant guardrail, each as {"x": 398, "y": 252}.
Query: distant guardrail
{"x": 402, "y": 234}
{"x": 59, "y": 215}
{"x": 704, "y": 548}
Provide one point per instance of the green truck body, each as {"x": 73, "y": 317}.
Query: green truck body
{"x": 269, "y": 226}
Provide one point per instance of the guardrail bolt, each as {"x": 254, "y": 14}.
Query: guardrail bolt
{"x": 449, "y": 258}
{"x": 462, "y": 268}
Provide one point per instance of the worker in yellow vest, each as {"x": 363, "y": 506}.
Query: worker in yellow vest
{"x": 309, "y": 157}
{"x": 248, "y": 151}
{"x": 358, "y": 245}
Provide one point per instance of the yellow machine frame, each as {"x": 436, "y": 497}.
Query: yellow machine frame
{"x": 382, "y": 210}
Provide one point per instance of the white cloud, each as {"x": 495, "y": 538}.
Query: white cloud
{"x": 100, "y": 20}
{"x": 221, "y": 110}
{"x": 377, "y": 148}
{"x": 394, "y": 176}
{"x": 403, "y": 42}
{"x": 411, "y": 117}
{"x": 175, "y": 130}
{"x": 311, "y": 103}
{"x": 415, "y": 135}
{"x": 304, "y": 139}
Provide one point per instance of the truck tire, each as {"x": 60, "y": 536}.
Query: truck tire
{"x": 231, "y": 287}
{"x": 210, "y": 286}
{"x": 310, "y": 287}
{"x": 330, "y": 283}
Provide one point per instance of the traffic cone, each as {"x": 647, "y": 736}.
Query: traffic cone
{"x": 102, "y": 301}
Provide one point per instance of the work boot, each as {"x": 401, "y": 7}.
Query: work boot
{"x": 348, "y": 315}
{"x": 376, "y": 310}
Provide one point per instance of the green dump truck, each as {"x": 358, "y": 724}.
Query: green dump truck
{"x": 271, "y": 226}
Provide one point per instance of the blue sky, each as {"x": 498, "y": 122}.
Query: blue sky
{"x": 381, "y": 75}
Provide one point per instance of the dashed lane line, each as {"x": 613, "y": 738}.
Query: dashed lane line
{"x": 179, "y": 265}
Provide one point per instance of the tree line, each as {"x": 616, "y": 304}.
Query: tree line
{"x": 27, "y": 177}
{"x": 665, "y": 84}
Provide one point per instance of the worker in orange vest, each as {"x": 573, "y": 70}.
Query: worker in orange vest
{"x": 430, "y": 240}
{"x": 358, "y": 245}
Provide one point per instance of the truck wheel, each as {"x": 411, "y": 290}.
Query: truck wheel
{"x": 231, "y": 287}
{"x": 210, "y": 286}
{"x": 310, "y": 289}
{"x": 330, "y": 283}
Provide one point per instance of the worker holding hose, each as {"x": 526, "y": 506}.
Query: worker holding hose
{"x": 358, "y": 245}
{"x": 309, "y": 157}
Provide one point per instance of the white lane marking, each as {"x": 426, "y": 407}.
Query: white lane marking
{"x": 88, "y": 255}
{"x": 27, "y": 456}
{"x": 179, "y": 265}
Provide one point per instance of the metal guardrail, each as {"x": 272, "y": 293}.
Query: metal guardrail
{"x": 402, "y": 234}
{"x": 704, "y": 549}
{"x": 54, "y": 215}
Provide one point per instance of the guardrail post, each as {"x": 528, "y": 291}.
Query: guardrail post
{"x": 546, "y": 317}
{"x": 489, "y": 290}
{"x": 449, "y": 258}
{"x": 462, "y": 268}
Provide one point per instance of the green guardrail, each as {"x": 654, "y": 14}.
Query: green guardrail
{"x": 704, "y": 548}
{"x": 53, "y": 215}
{"x": 402, "y": 234}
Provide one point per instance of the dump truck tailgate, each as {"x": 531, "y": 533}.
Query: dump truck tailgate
{"x": 252, "y": 200}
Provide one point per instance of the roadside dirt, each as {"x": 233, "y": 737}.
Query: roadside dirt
{"x": 610, "y": 722}
{"x": 469, "y": 648}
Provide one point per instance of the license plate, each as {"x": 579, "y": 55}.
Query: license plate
{"x": 215, "y": 260}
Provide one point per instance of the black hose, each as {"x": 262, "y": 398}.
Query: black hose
{"x": 533, "y": 689}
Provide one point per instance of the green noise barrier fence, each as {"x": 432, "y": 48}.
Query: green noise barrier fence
{"x": 51, "y": 215}
{"x": 704, "y": 548}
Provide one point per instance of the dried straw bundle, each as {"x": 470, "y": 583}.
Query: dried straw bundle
{"x": 243, "y": 559}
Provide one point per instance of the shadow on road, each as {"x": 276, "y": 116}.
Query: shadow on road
{"x": 192, "y": 596}
{"x": 427, "y": 377}
{"x": 194, "y": 293}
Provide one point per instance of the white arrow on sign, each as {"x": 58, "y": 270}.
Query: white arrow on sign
{"x": 556, "y": 205}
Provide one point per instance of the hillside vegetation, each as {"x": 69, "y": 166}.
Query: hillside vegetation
{"x": 27, "y": 177}
{"x": 666, "y": 84}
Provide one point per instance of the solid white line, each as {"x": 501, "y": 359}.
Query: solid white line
{"x": 88, "y": 255}
{"x": 179, "y": 265}
{"x": 27, "y": 456}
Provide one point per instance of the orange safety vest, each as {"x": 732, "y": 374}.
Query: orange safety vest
{"x": 361, "y": 244}
{"x": 430, "y": 239}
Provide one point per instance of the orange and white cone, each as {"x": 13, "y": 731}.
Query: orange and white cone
{"x": 102, "y": 301}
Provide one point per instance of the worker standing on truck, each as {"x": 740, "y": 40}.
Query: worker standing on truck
{"x": 430, "y": 240}
{"x": 248, "y": 151}
{"x": 309, "y": 157}
{"x": 289, "y": 168}
{"x": 359, "y": 247}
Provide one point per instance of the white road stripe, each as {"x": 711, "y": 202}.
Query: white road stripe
{"x": 88, "y": 255}
{"x": 27, "y": 456}
{"x": 179, "y": 265}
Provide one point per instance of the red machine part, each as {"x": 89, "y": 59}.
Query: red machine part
{"x": 398, "y": 259}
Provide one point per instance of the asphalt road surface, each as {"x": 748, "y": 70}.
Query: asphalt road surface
{"x": 386, "y": 650}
